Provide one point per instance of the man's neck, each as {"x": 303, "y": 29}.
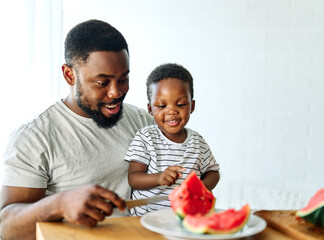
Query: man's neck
{"x": 70, "y": 102}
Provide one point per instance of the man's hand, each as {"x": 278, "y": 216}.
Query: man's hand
{"x": 21, "y": 208}
{"x": 170, "y": 175}
{"x": 89, "y": 204}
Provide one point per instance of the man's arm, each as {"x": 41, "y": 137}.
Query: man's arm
{"x": 19, "y": 212}
{"x": 21, "y": 208}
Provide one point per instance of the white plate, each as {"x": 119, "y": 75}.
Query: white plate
{"x": 165, "y": 222}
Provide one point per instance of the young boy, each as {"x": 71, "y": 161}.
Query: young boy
{"x": 162, "y": 155}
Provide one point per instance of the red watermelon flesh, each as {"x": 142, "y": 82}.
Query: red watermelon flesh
{"x": 314, "y": 211}
{"x": 229, "y": 221}
{"x": 192, "y": 197}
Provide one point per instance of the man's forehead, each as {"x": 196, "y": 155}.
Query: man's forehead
{"x": 94, "y": 55}
{"x": 107, "y": 61}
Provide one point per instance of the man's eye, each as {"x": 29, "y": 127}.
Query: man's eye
{"x": 122, "y": 81}
{"x": 101, "y": 83}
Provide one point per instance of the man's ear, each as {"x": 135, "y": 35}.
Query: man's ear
{"x": 68, "y": 74}
{"x": 149, "y": 109}
{"x": 193, "y": 104}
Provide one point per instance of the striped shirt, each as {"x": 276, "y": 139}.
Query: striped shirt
{"x": 153, "y": 149}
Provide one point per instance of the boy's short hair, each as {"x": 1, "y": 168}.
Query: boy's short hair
{"x": 169, "y": 70}
{"x": 91, "y": 36}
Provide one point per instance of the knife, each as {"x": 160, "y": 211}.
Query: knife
{"x": 143, "y": 201}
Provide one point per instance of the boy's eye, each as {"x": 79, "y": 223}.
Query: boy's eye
{"x": 182, "y": 105}
{"x": 161, "y": 106}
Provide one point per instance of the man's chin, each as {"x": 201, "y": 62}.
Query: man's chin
{"x": 111, "y": 112}
{"x": 104, "y": 121}
{"x": 99, "y": 115}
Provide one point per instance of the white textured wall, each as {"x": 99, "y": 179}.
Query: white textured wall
{"x": 259, "y": 83}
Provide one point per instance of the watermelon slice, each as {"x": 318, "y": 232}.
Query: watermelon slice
{"x": 226, "y": 222}
{"x": 314, "y": 211}
{"x": 192, "y": 197}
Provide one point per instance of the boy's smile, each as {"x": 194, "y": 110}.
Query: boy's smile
{"x": 172, "y": 123}
{"x": 171, "y": 106}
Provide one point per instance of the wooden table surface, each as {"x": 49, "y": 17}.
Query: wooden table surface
{"x": 120, "y": 228}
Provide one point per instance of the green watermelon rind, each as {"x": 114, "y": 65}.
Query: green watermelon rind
{"x": 207, "y": 230}
{"x": 314, "y": 215}
{"x": 314, "y": 211}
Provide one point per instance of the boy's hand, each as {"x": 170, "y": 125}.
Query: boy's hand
{"x": 170, "y": 175}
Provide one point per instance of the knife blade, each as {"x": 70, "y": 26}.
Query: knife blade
{"x": 143, "y": 201}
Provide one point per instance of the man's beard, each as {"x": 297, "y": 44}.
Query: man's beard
{"x": 97, "y": 115}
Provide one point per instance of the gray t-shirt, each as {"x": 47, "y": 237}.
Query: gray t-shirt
{"x": 60, "y": 150}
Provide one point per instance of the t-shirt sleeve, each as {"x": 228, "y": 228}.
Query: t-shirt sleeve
{"x": 209, "y": 163}
{"x": 138, "y": 149}
{"x": 24, "y": 162}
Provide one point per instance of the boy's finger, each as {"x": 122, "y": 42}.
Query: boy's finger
{"x": 179, "y": 171}
{"x": 178, "y": 168}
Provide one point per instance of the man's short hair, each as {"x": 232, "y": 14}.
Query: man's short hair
{"x": 90, "y": 36}
{"x": 169, "y": 70}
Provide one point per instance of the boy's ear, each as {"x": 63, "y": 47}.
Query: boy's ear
{"x": 68, "y": 74}
{"x": 193, "y": 104}
{"x": 149, "y": 109}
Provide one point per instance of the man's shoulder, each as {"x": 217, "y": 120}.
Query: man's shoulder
{"x": 129, "y": 108}
{"x": 40, "y": 121}
{"x": 44, "y": 117}
{"x": 34, "y": 128}
{"x": 135, "y": 113}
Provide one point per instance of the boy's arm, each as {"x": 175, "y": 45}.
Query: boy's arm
{"x": 210, "y": 179}
{"x": 139, "y": 179}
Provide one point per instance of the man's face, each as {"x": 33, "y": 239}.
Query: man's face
{"x": 101, "y": 86}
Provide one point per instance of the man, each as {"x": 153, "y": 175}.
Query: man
{"x": 61, "y": 164}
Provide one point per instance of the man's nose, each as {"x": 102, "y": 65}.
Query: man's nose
{"x": 114, "y": 91}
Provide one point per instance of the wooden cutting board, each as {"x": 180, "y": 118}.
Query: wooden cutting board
{"x": 286, "y": 222}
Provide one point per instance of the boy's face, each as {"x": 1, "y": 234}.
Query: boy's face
{"x": 171, "y": 107}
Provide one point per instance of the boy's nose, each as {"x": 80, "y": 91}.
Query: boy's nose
{"x": 172, "y": 110}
